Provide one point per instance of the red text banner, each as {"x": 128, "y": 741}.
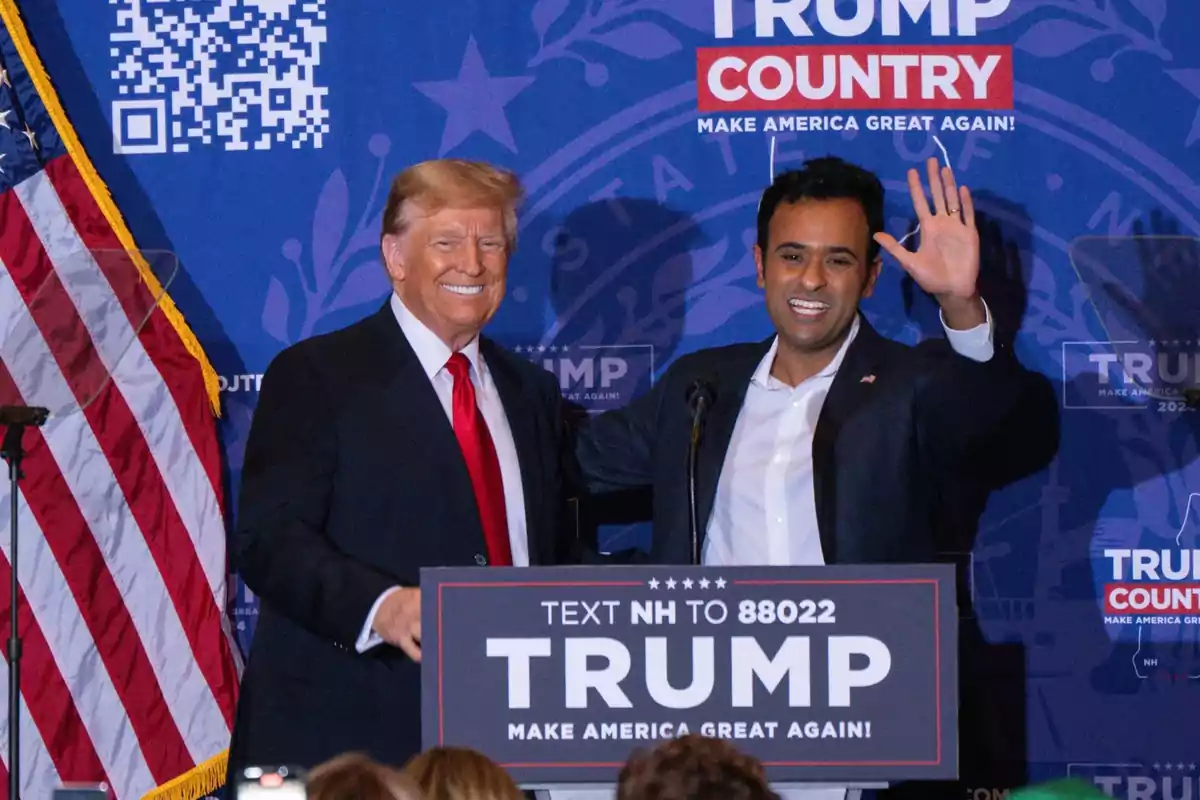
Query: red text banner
{"x": 854, "y": 77}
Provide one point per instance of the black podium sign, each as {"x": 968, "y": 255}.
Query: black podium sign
{"x": 826, "y": 674}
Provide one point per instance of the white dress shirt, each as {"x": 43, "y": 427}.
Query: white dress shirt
{"x": 433, "y": 354}
{"x": 765, "y": 510}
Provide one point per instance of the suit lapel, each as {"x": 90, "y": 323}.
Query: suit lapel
{"x": 521, "y": 421}
{"x": 412, "y": 401}
{"x": 731, "y": 383}
{"x": 853, "y": 385}
{"x": 411, "y": 398}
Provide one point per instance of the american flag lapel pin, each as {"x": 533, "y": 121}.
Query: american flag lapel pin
{"x": 867, "y": 379}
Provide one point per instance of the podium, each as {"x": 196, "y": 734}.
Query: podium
{"x": 839, "y": 676}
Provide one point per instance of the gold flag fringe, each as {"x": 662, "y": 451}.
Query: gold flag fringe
{"x": 209, "y": 775}
{"x": 45, "y": 89}
{"x": 203, "y": 779}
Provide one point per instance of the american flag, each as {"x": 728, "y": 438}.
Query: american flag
{"x": 129, "y": 675}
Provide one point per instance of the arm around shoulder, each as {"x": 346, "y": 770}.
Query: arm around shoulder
{"x": 279, "y": 545}
{"x": 576, "y": 543}
{"x": 615, "y": 449}
{"x": 614, "y": 455}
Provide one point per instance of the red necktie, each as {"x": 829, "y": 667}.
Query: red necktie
{"x": 484, "y": 467}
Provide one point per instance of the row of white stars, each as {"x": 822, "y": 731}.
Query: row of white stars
{"x": 541, "y": 348}
{"x": 28, "y": 133}
{"x": 687, "y": 583}
{"x": 1174, "y": 342}
{"x": 1180, "y": 766}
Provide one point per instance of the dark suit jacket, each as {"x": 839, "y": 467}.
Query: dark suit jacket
{"x": 885, "y": 451}
{"x": 352, "y": 481}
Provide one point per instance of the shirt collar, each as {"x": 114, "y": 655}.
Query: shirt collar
{"x": 762, "y": 375}
{"x": 431, "y": 351}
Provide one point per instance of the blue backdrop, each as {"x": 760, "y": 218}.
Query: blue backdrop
{"x": 256, "y": 139}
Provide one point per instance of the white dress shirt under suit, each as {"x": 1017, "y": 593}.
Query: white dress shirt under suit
{"x": 765, "y": 510}
{"x": 433, "y": 354}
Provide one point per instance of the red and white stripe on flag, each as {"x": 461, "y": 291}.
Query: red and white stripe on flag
{"x": 129, "y": 675}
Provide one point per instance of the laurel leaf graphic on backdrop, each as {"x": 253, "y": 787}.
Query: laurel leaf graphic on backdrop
{"x": 544, "y": 14}
{"x": 1055, "y": 37}
{"x": 276, "y": 311}
{"x": 694, "y": 14}
{"x": 1153, "y": 10}
{"x": 329, "y": 226}
{"x": 365, "y": 283}
{"x": 643, "y": 40}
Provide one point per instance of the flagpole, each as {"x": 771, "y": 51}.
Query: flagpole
{"x": 16, "y": 418}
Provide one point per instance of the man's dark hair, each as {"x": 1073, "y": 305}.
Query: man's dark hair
{"x": 825, "y": 178}
{"x": 693, "y": 767}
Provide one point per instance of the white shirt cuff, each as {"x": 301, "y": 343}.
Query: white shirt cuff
{"x": 369, "y": 638}
{"x": 974, "y": 343}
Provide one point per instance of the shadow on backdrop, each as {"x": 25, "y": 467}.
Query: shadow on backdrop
{"x": 1125, "y": 425}
{"x": 1135, "y": 398}
{"x": 993, "y": 750}
{"x": 619, "y": 279}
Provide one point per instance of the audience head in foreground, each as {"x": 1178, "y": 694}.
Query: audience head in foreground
{"x": 693, "y": 767}
{"x": 455, "y": 773}
{"x": 354, "y": 776}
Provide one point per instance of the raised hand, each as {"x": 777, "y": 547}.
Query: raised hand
{"x": 946, "y": 264}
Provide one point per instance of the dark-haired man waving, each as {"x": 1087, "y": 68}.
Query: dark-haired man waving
{"x": 828, "y": 443}
{"x": 827, "y": 395}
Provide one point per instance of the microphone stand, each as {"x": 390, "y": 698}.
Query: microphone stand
{"x": 691, "y": 479}
{"x": 693, "y": 450}
{"x": 16, "y": 418}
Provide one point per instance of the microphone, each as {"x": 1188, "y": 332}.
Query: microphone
{"x": 700, "y": 397}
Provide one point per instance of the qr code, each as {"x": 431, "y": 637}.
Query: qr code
{"x": 238, "y": 72}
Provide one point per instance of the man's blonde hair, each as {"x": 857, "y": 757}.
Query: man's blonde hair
{"x": 453, "y": 183}
{"x": 456, "y": 773}
{"x": 355, "y": 776}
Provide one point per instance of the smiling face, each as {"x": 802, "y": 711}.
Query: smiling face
{"x": 814, "y": 271}
{"x": 449, "y": 268}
